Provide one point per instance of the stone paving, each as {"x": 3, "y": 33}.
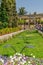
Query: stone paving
{"x": 10, "y": 35}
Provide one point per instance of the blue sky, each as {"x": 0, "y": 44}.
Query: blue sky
{"x": 30, "y": 5}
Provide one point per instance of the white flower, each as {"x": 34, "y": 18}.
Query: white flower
{"x": 10, "y": 56}
{"x": 2, "y": 60}
{"x": 33, "y": 56}
{"x": 12, "y": 60}
{"x": 29, "y": 62}
{"x": 23, "y": 61}
{"x": 14, "y": 57}
{"x": 18, "y": 64}
{"x": 19, "y": 58}
{"x": 17, "y": 54}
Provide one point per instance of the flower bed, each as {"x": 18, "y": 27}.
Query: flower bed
{"x": 20, "y": 59}
{"x": 9, "y": 30}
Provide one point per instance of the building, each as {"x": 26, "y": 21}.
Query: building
{"x": 32, "y": 18}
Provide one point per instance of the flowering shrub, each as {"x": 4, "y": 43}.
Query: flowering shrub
{"x": 9, "y": 30}
{"x": 19, "y": 59}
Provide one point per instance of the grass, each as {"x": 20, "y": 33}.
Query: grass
{"x": 27, "y": 42}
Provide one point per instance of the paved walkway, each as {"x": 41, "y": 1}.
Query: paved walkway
{"x": 9, "y": 35}
{"x": 40, "y": 32}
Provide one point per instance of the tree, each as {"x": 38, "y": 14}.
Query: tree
{"x": 4, "y": 16}
{"x": 8, "y": 12}
{"x": 5, "y": 24}
{"x": 0, "y": 13}
{"x": 35, "y": 13}
{"x": 22, "y": 11}
{"x": 1, "y": 25}
{"x": 15, "y": 23}
{"x": 21, "y": 21}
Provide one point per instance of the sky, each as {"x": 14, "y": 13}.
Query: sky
{"x": 31, "y": 6}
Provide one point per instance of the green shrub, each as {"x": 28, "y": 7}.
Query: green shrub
{"x": 1, "y": 41}
{"x": 1, "y": 25}
{"x": 9, "y": 30}
{"x": 21, "y": 21}
{"x": 5, "y": 24}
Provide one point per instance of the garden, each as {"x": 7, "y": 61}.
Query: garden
{"x": 24, "y": 48}
{"x": 28, "y": 43}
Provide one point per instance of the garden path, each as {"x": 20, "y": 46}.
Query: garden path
{"x": 6, "y": 36}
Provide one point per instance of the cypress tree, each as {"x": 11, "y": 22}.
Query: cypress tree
{"x": 14, "y": 14}
{"x": 8, "y": 12}
{"x": 3, "y": 12}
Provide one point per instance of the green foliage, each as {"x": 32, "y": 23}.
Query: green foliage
{"x": 1, "y": 25}
{"x": 9, "y": 30}
{"x": 35, "y": 13}
{"x": 5, "y": 24}
{"x": 41, "y": 21}
{"x": 22, "y": 11}
{"x": 8, "y": 13}
{"x": 4, "y": 16}
{"x": 0, "y": 13}
{"x": 21, "y": 21}
{"x": 18, "y": 42}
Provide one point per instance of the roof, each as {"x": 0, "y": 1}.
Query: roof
{"x": 30, "y": 16}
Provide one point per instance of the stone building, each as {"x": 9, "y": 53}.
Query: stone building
{"x": 31, "y": 19}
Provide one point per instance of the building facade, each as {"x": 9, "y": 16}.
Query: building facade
{"x": 32, "y": 18}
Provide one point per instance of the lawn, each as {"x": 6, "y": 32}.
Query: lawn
{"x": 27, "y": 42}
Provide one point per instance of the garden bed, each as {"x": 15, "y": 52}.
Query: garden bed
{"x": 27, "y": 42}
